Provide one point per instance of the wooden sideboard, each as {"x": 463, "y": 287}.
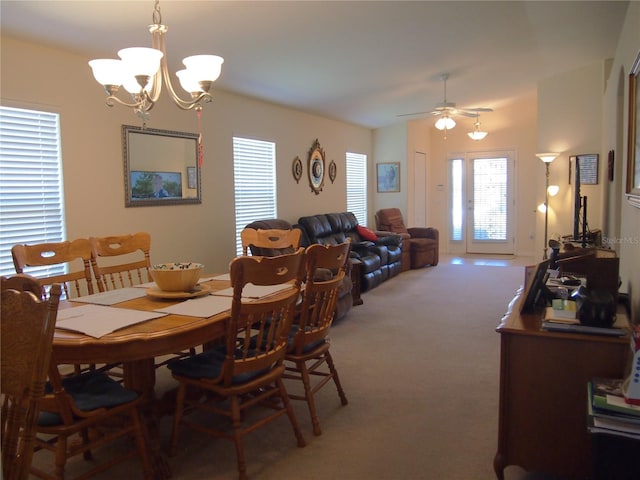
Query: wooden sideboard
{"x": 543, "y": 393}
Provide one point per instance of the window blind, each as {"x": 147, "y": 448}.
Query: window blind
{"x": 254, "y": 177}
{"x": 357, "y": 186}
{"x": 490, "y": 198}
{"x": 31, "y": 206}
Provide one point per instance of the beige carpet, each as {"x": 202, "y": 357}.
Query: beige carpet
{"x": 419, "y": 363}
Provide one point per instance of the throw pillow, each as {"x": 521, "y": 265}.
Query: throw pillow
{"x": 367, "y": 233}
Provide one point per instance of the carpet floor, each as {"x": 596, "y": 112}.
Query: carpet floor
{"x": 419, "y": 362}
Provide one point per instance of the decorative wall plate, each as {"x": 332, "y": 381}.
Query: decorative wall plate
{"x": 296, "y": 168}
{"x": 316, "y": 167}
{"x": 332, "y": 171}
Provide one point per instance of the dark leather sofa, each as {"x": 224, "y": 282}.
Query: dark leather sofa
{"x": 381, "y": 259}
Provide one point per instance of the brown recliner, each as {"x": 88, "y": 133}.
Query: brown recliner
{"x": 420, "y": 245}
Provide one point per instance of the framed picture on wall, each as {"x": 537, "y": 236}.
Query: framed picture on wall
{"x": 191, "y": 177}
{"x": 633, "y": 138}
{"x": 388, "y": 176}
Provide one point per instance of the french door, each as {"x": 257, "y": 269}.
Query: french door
{"x": 481, "y": 203}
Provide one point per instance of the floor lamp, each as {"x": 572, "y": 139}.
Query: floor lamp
{"x": 547, "y": 158}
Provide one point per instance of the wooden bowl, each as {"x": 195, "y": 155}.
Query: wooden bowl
{"x": 176, "y": 277}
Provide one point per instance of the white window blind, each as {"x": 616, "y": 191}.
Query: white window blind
{"x": 254, "y": 176}
{"x": 490, "y": 177}
{"x": 31, "y": 198}
{"x": 357, "y": 186}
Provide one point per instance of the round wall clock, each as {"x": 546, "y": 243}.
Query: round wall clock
{"x": 316, "y": 168}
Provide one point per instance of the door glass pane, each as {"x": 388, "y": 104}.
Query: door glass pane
{"x": 456, "y": 199}
{"x": 490, "y": 199}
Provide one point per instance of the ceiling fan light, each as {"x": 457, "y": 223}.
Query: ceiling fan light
{"x": 477, "y": 135}
{"x": 445, "y": 122}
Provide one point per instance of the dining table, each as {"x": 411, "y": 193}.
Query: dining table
{"x": 136, "y": 346}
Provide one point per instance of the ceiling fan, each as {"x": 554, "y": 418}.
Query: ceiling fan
{"x": 446, "y": 110}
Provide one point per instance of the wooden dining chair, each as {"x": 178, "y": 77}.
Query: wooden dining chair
{"x": 27, "y": 323}
{"x": 120, "y": 260}
{"x": 81, "y": 413}
{"x": 246, "y": 371}
{"x": 269, "y": 242}
{"x": 73, "y": 255}
{"x": 308, "y": 354}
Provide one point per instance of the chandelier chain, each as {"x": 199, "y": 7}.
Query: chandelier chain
{"x": 157, "y": 15}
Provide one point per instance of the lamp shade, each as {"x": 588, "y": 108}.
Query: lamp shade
{"x": 107, "y": 71}
{"x": 445, "y": 122}
{"x": 477, "y": 135}
{"x": 204, "y": 67}
{"x": 141, "y": 60}
{"x": 553, "y": 190}
{"x": 547, "y": 157}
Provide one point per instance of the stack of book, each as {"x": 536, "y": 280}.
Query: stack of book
{"x": 608, "y": 411}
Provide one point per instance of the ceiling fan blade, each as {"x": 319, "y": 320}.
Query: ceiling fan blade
{"x": 479, "y": 109}
{"x": 409, "y": 114}
{"x": 466, "y": 114}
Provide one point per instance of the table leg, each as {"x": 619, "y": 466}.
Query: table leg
{"x": 141, "y": 377}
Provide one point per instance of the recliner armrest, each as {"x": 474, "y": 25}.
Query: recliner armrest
{"x": 389, "y": 238}
{"x": 423, "y": 232}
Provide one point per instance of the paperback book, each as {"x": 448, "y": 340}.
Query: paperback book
{"x": 606, "y": 398}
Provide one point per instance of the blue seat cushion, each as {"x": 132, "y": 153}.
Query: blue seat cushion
{"x": 291, "y": 337}
{"x": 89, "y": 391}
{"x": 208, "y": 364}
{"x": 307, "y": 348}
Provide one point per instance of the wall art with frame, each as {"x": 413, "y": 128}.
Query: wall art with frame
{"x": 388, "y": 177}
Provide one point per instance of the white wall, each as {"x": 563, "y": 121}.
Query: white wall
{"x": 390, "y": 146}
{"x": 570, "y": 122}
{"x": 615, "y": 137}
{"x": 37, "y": 76}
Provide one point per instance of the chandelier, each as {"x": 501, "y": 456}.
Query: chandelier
{"x": 477, "y": 134}
{"x": 141, "y": 71}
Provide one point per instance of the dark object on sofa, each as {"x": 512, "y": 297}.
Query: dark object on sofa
{"x": 423, "y": 242}
{"x": 381, "y": 258}
{"x": 345, "y": 300}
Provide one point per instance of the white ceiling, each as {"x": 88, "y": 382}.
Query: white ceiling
{"x": 362, "y": 62}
